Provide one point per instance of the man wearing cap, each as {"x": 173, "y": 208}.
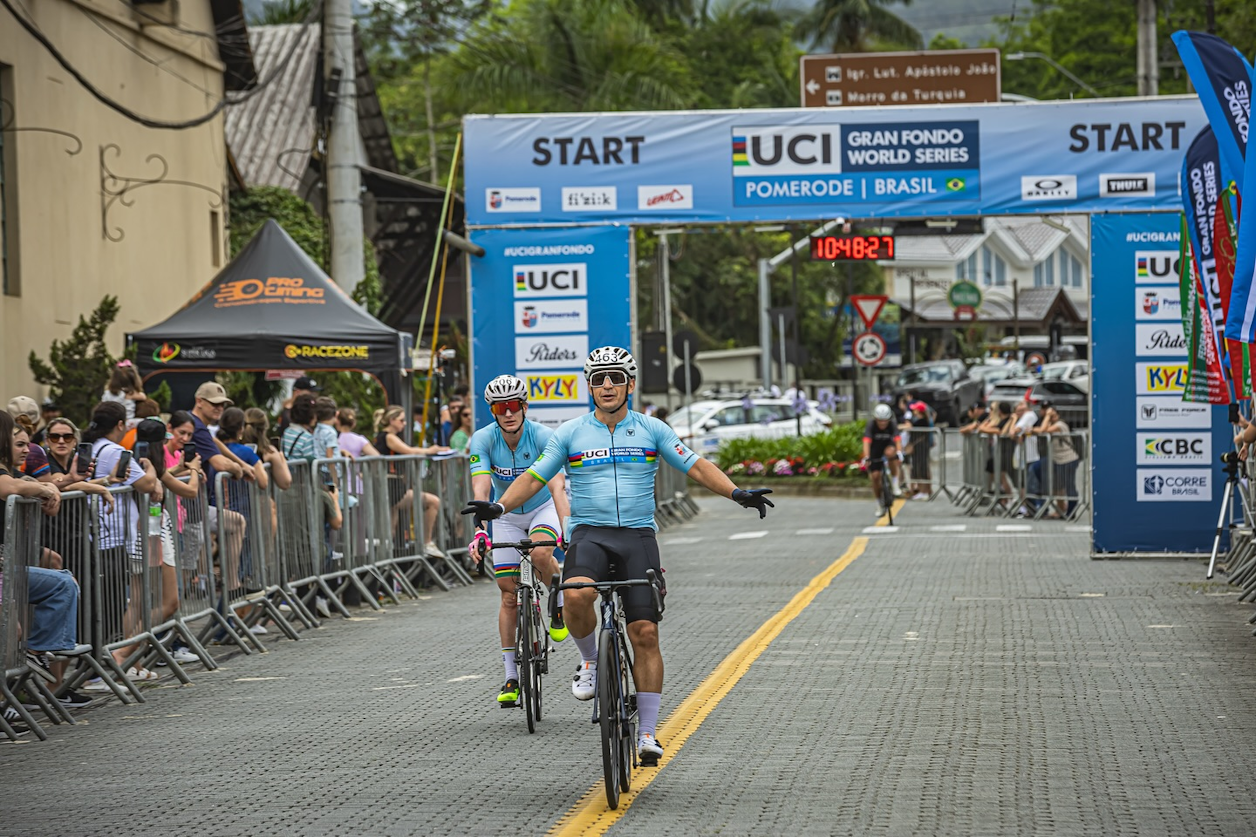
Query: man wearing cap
{"x": 211, "y": 400}
{"x": 305, "y": 385}
{"x": 47, "y": 412}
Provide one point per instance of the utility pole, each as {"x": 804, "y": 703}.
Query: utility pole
{"x": 344, "y": 147}
{"x": 1148, "y": 66}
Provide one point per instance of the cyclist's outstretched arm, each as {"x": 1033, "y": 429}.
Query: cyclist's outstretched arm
{"x": 558, "y": 490}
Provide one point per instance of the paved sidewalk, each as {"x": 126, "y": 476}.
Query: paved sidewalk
{"x": 947, "y": 682}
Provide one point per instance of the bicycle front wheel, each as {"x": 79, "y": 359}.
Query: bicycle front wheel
{"x": 523, "y": 644}
{"x": 608, "y": 713}
{"x": 628, "y": 720}
{"x": 887, "y": 493}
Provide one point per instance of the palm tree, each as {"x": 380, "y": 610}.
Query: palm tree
{"x": 567, "y": 55}
{"x": 849, "y": 25}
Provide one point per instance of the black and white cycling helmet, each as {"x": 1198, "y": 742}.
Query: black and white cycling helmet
{"x": 882, "y": 412}
{"x": 505, "y": 388}
{"x": 610, "y": 357}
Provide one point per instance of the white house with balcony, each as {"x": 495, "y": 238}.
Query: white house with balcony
{"x": 1033, "y": 271}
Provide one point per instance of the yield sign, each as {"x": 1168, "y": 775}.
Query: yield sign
{"x": 869, "y": 308}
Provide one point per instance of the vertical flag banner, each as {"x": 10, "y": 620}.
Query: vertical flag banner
{"x": 1240, "y": 355}
{"x": 1205, "y": 380}
{"x": 1224, "y": 80}
{"x": 1201, "y": 188}
{"x": 1153, "y": 455}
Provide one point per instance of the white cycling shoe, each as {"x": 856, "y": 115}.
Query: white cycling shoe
{"x": 649, "y": 750}
{"x": 584, "y": 684}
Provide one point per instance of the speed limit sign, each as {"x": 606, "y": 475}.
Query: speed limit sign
{"x": 869, "y": 348}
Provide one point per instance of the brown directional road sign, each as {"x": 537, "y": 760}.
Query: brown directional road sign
{"x": 950, "y": 77}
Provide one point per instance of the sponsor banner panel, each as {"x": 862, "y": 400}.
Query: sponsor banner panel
{"x": 551, "y": 351}
{"x": 1174, "y": 485}
{"x": 555, "y": 316}
{"x": 1157, "y": 267}
{"x": 1147, "y": 445}
{"x": 1160, "y": 377}
{"x": 1168, "y": 413}
{"x": 803, "y": 164}
{"x": 530, "y": 308}
{"x": 554, "y": 416}
{"x": 1161, "y": 303}
{"x": 1159, "y": 340}
{"x": 556, "y": 387}
{"x": 1174, "y": 449}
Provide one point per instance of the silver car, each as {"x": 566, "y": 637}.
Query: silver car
{"x": 704, "y": 425}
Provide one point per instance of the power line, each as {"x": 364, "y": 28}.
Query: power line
{"x": 35, "y": 32}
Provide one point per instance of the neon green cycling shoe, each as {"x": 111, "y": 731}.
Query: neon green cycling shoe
{"x": 509, "y": 696}
{"x": 558, "y": 629}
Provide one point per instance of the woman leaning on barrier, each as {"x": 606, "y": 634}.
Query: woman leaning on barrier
{"x": 1064, "y": 461}
{"x": 256, "y": 433}
{"x": 61, "y": 438}
{"x": 389, "y": 425}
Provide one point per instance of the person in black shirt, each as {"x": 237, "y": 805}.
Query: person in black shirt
{"x": 881, "y": 440}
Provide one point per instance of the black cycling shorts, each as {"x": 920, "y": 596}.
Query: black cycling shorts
{"x": 607, "y": 553}
{"x": 875, "y": 452}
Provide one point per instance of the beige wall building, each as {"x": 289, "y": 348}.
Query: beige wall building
{"x": 94, "y": 202}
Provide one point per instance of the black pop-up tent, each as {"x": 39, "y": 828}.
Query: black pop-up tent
{"x": 272, "y": 307}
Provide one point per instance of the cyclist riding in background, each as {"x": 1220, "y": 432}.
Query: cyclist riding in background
{"x": 611, "y": 456}
{"x": 499, "y": 453}
{"x": 881, "y": 439}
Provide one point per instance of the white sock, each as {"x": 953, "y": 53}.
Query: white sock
{"x": 587, "y": 646}
{"x": 512, "y": 666}
{"x": 648, "y": 711}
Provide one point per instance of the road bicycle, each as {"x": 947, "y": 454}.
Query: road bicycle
{"x": 615, "y": 709}
{"x": 531, "y": 636}
{"x": 887, "y": 489}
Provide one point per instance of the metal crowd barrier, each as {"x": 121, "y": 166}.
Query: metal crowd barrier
{"x": 180, "y": 569}
{"x": 1046, "y": 475}
{"x": 924, "y": 450}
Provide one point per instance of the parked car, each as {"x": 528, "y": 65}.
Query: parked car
{"x": 991, "y": 372}
{"x": 944, "y": 385}
{"x": 1074, "y": 371}
{"x": 1072, "y": 402}
{"x": 704, "y": 425}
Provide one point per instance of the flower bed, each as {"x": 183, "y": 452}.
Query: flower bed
{"x": 834, "y": 454}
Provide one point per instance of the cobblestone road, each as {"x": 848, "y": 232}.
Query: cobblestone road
{"x": 959, "y": 677}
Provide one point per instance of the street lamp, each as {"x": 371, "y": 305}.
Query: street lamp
{"x": 1021, "y": 56}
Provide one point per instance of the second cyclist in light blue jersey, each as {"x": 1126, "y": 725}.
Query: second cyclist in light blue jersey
{"x": 501, "y": 453}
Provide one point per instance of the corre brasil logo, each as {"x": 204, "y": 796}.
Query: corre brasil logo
{"x": 1153, "y": 484}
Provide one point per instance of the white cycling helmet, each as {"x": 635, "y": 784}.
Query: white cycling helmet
{"x": 882, "y": 412}
{"x": 610, "y": 357}
{"x": 505, "y": 388}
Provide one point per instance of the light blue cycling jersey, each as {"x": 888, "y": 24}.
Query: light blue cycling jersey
{"x": 612, "y": 474}
{"x": 491, "y": 455}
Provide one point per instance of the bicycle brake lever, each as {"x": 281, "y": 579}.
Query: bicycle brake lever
{"x": 654, "y": 592}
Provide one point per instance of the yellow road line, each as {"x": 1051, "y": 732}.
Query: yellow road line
{"x": 884, "y": 520}
{"x": 590, "y": 816}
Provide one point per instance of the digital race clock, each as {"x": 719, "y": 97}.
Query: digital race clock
{"x": 834, "y": 248}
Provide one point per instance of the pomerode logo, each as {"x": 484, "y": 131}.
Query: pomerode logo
{"x": 665, "y": 197}
{"x": 518, "y": 199}
{"x": 530, "y": 317}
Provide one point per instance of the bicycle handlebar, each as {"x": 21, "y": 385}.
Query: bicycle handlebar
{"x": 525, "y": 545}
{"x": 607, "y": 587}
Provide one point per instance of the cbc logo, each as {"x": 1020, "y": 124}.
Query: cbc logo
{"x": 1175, "y": 447}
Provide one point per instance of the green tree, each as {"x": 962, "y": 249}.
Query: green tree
{"x": 743, "y": 56}
{"x": 567, "y": 55}
{"x": 856, "y": 26}
{"x": 78, "y": 369}
{"x": 276, "y": 12}
{"x": 943, "y": 41}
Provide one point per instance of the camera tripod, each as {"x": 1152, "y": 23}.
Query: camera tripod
{"x": 1232, "y": 486}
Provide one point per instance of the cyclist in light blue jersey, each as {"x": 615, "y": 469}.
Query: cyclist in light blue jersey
{"x": 500, "y": 453}
{"x": 610, "y": 457}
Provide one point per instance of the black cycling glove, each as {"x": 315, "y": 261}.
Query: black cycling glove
{"x": 484, "y": 510}
{"x": 754, "y": 499}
